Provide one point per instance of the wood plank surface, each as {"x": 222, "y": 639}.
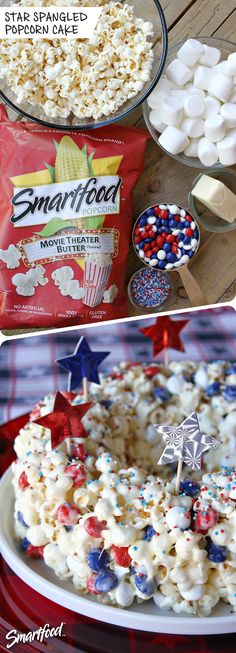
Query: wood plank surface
{"x": 214, "y": 266}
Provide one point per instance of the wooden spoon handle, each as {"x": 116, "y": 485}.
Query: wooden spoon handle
{"x": 193, "y": 290}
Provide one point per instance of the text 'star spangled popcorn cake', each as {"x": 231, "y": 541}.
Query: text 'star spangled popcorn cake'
{"x": 108, "y": 518}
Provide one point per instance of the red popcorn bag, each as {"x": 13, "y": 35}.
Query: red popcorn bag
{"x": 66, "y": 216}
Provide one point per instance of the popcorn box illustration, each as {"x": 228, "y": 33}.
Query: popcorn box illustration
{"x": 96, "y": 276}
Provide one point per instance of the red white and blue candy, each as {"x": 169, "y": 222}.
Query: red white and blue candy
{"x": 166, "y": 236}
{"x": 149, "y": 288}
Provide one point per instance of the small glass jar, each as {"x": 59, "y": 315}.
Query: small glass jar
{"x": 150, "y": 290}
{"x": 201, "y": 213}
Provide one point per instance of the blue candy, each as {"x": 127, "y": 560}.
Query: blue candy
{"x": 171, "y": 258}
{"x": 144, "y": 584}
{"x": 107, "y": 403}
{"x": 180, "y": 236}
{"x": 213, "y": 389}
{"x": 154, "y": 255}
{"x": 161, "y": 393}
{"x": 106, "y": 581}
{"x": 150, "y": 532}
{"x": 165, "y": 223}
{"x": 159, "y": 231}
{"x": 143, "y": 222}
{"x": 186, "y": 240}
{"x": 21, "y": 519}
{"x": 217, "y": 553}
{"x": 147, "y": 240}
{"x": 173, "y": 224}
{"x": 196, "y": 234}
{"x": 24, "y": 544}
{"x": 167, "y": 247}
{"x": 189, "y": 487}
{"x": 161, "y": 265}
{"x": 190, "y": 253}
{"x": 158, "y": 222}
{"x": 149, "y": 213}
{"x": 231, "y": 370}
{"x": 229, "y": 392}
{"x": 98, "y": 559}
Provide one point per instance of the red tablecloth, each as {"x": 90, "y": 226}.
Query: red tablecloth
{"x": 25, "y": 610}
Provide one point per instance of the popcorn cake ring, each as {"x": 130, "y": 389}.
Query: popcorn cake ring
{"x": 105, "y": 516}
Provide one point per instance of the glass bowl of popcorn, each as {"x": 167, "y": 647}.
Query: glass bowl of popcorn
{"x": 191, "y": 113}
{"x": 86, "y": 83}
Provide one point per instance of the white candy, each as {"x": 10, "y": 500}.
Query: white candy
{"x": 192, "y": 149}
{"x": 178, "y": 72}
{"x": 227, "y": 151}
{"x": 178, "y": 517}
{"x": 220, "y": 86}
{"x": 228, "y": 111}
{"x": 212, "y": 106}
{"x": 11, "y": 257}
{"x": 185, "y": 258}
{"x": 161, "y": 255}
{"x": 202, "y": 77}
{"x": 171, "y": 111}
{"x": 207, "y": 152}
{"x": 193, "y": 127}
{"x": 194, "y": 106}
{"x": 190, "y": 52}
{"x": 161, "y": 90}
{"x": 156, "y": 120}
{"x": 232, "y": 63}
{"x": 215, "y": 128}
{"x": 124, "y": 594}
{"x": 153, "y": 262}
{"x": 174, "y": 140}
{"x": 174, "y": 209}
{"x": 210, "y": 57}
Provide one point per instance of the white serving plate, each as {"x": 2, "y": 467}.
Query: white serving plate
{"x": 145, "y": 616}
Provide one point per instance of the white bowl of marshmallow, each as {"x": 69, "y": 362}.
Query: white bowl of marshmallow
{"x": 191, "y": 113}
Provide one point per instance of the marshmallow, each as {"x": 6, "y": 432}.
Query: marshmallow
{"x": 207, "y": 152}
{"x": 194, "y": 106}
{"x": 220, "y": 86}
{"x": 210, "y": 57}
{"x": 190, "y": 52}
{"x": 227, "y": 151}
{"x": 221, "y": 67}
{"x": 155, "y": 120}
{"x": 228, "y": 111}
{"x": 171, "y": 111}
{"x": 193, "y": 127}
{"x": 11, "y": 257}
{"x": 215, "y": 128}
{"x": 190, "y": 89}
{"x": 178, "y": 72}
{"x": 202, "y": 77}
{"x": 231, "y": 63}
{"x": 192, "y": 149}
{"x": 161, "y": 90}
{"x": 212, "y": 105}
{"x": 233, "y": 97}
{"x": 174, "y": 140}
{"x": 179, "y": 94}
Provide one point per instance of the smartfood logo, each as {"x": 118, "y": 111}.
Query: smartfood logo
{"x": 86, "y": 198}
{"x": 44, "y": 632}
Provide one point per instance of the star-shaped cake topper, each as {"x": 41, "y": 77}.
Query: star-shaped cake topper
{"x": 82, "y": 364}
{"x": 185, "y": 442}
{"x": 165, "y": 334}
{"x": 64, "y": 421}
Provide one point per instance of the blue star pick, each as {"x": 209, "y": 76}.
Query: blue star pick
{"x": 83, "y": 363}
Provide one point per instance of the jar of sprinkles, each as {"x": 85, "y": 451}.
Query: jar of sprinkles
{"x": 149, "y": 289}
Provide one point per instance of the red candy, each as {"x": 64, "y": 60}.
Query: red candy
{"x": 189, "y": 232}
{"x": 94, "y": 527}
{"x": 175, "y": 249}
{"x": 121, "y": 556}
{"x": 77, "y": 472}
{"x": 148, "y": 253}
{"x": 170, "y": 238}
{"x": 163, "y": 214}
{"x": 90, "y": 584}
{"x": 22, "y": 482}
{"x": 79, "y": 451}
{"x": 151, "y": 371}
{"x": 34, "y": 551}
{"x": 160, "y": 241}
{"x": 156, "y": 210}
{"x": 203, "y": 520}
{"x": 188, "y": 218}
{"x": 67, "y": 514}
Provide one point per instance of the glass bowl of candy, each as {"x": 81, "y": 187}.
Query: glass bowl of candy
{"x": 165, "y": 237}
{"x": 191, "y": 113}
{"x": 220, "y": 213}
{"x": 150, "y": 290}
{"x": 92, "y": 84}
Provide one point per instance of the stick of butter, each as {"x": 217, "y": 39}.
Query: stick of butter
{"x": 216, "y": 196}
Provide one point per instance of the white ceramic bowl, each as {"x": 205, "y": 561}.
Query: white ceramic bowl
{"x": 145, "y": 616}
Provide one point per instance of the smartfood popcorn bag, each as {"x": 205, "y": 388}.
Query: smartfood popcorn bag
{"x": 65, "y": 222}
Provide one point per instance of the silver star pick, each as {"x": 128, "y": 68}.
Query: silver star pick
{"x": 185, "y": 442}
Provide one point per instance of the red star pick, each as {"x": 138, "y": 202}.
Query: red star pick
{"x": 65, "y": 420}
{"x": 165, "y": 334}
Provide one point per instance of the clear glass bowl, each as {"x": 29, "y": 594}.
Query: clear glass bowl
{"x": 158, "y": 307}
{"x": 226, "y": 47}
{"x": 149, "y": 10}
{"x": 202, "y": 214}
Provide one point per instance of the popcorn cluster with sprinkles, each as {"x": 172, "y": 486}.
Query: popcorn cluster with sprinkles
{"x": 166, "y": 236}
{"x": 103, "y": 514}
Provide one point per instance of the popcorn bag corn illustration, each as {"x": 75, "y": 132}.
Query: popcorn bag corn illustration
{"x": 66, "y": 217}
